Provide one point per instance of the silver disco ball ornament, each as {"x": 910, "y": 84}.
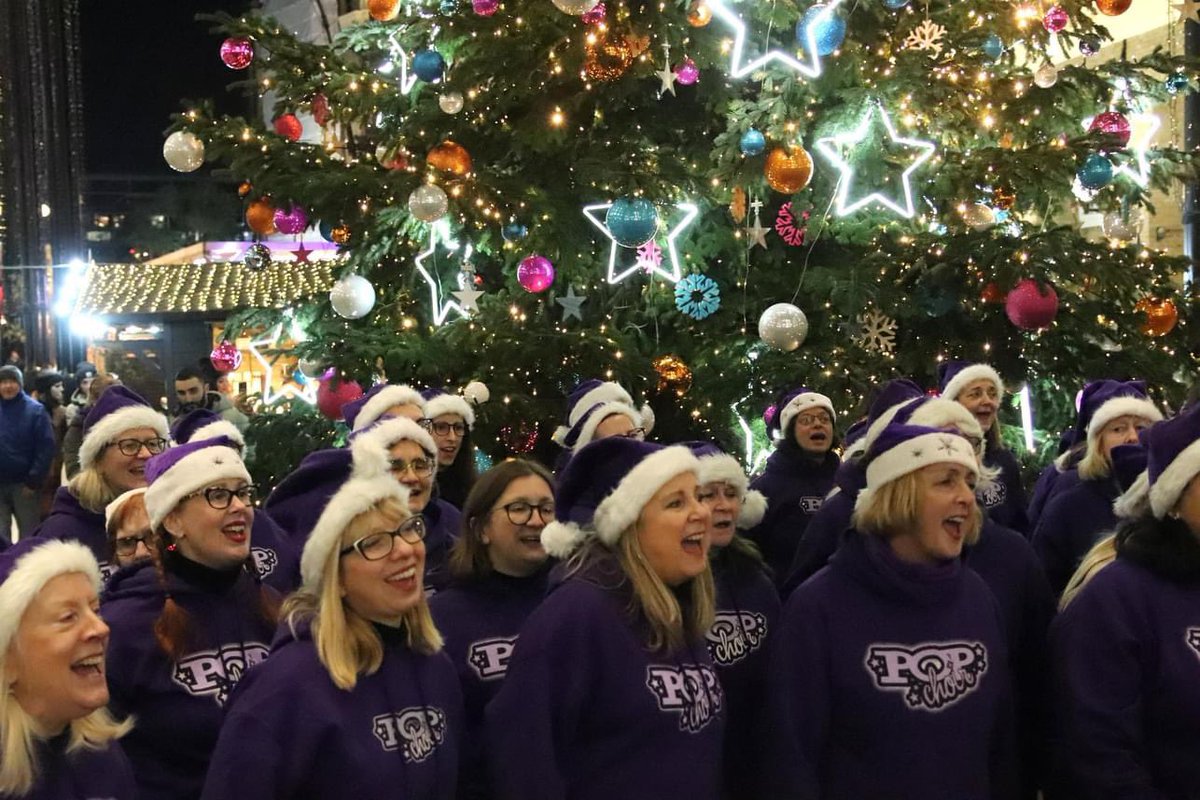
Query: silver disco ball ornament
{"x": 257, "y": 258}
{"x": 352, "y": 297}
{"x": 783, "y": 326}
{"x": 183, "y": 151}
{"x": 428, "y": 203}
{"x": 451, "y": 102}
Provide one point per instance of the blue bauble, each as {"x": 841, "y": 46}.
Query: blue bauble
{"x": 429, "y": 65}
{"x": 993, "y": 46}
{"x": 1090, "y": 45}
{"x": 753, "y": 142}
{"x": 326, "y": 230}
{"x": 895, "y": 4}
{"x": 448, "y": 7}
{"x": 827, "y": 28}
{"x": 1095, "y": 173}
{"x": 1177, "y": 82}
{"x": 514, "y": 232}
{"x": 632, "y": 221}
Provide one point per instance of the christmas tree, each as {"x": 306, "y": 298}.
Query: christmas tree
{"x": 711, "y": 200}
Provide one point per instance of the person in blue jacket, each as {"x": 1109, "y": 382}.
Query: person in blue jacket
{"x": 1126, "y": 650}
{"x": 798, "y": 476}
{"x": 357, "y": 699}
{"x": 498, "y": 576}
{"x": 27, "y": 446}
{"x": 888, "y": 677}
{"x": 611, "y": 691}
{"x": 60, "y": 741}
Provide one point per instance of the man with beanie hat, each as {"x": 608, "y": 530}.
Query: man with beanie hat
{"x": 26, "y": 449}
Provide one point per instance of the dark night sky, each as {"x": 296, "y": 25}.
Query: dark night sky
{"x": 140, "y": 60}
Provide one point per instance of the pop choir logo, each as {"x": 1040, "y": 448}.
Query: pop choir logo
{"x": 489, "y": 657}
{"x": 416, "y": 732}
{"x": 931, "y": 675}
{"x": 1193, "y": 639}
{"x": 215, "y": 673}
{"x": 693, "y": 692}
{"x": 735, "y": 635}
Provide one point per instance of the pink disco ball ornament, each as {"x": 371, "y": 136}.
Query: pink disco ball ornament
{"x": 1056, "y": 19}
{"x": 687, "y": 73}
{"x": 769, "y": 415}
{"x": 226, "y": 357}
{"x": 535, "y": 273}
{"x": 237, "y": 52}
{"x": 333, "y": 393}
{"x": 1112, "y": 123}
{"x": 485, "y": 8}
{"x": 292, "y": 221}
{"x": 289, "y": 127}
{"x": 595, "y": 14}
{"x": 1031, "y": 307}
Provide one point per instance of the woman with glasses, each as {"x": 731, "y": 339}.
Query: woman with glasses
{"x": 610, "y": 691}
{"x": 798, "y": 476}
{"x": 187, "y": 623}
{"x": 120, "y": 434}
{"x": 449, "y": 419}
{"x": 599, "y": 410}
{"x": 128, "y": 525}
{"x": 498, "y": 571}
{"x": 357, "y": 699}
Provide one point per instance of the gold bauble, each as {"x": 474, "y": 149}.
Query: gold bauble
{"x": 450, "y": 157}
{"x": 788, "y": 170}
{"x": 340, "y": 234}
{"x": 383, "y": 10}
{"x": 673, "y": 374}
{"x": 1161, "y": 316}
{"x": 699, "y": 14}
{"x": 610, "y": 54}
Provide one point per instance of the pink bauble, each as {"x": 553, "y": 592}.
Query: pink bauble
{"x": 333, "y": 393}
{"x": 687, "y": 73}
{"x": 769, "y": 415}
{"x": 292, "y": 221}
{"x": 594, "y": 15}
{"x": 485, "y": 8}
{"x": 535, "y": 273}
{"x": 237, "y": 52}
{"x": 1112, "y": 123}
{"x": 1031, "y": 307}
{"x": 225, "y": 356}
{"x": 1056, "y": 19}
{"x": 289, "y": 127}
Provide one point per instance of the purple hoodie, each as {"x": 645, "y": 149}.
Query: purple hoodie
{"x": 888, "y": 680}
{"x": 795, "y": 486}
{"x": 69, "y": 520}
{"x": 275, "y": 554}
{"x": 179, "y": 706}
{"x": 442, "y": 523}
{"x": 747, "y": 615}
{"x": 824, "y": 532}
{"x": 1049, "y": 484}
{"x": 587, "y": 713}
{"x": 82, "y": 774}
{"x": 480, "y": 621}
{"x": 291, "y": 733}
{"x": 1073, "y": 521}
{"x": 1004, "y": 500}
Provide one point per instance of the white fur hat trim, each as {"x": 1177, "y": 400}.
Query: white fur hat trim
{"x": 593, "y": 420}
{"x": 724, "y": 467}
{"x": 1122, "y": 407}
{"x": 450, "y": 404}
{"x": 803, "y": 402}
{"x": 914, "y": 454}
{"x": 356, "y": 496}
{"x": 217, "y": 429}
{"x": 192, "y": 472}
{"x": 370, "y": 449}
{"x": 113, "y": 425}
{"x": 754, "y": 508}
{"x": 33, "y": 571}
{"x": 608, "y": 392}
{"x": 115, "y": 506}
{"x": 621, "y": 508}
{"x": 1165, "y": 492}
{"x": 389, "y": 396}
{"x": 560, "y": 539}
{"x": 968, "y": 375}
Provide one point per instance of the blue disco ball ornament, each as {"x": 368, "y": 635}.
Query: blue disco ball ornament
{"x": 1096, "y": 172}
{"x": 448, "y": 7}
{"x": 1176, "y": 82}
{"x": 483, "y": 462}
{"x": 514, "y": 232}
{"x": 895, "y": 4}
{"x": 1090, "y": 45}
{"x": 993, "y": 46}
{"x": 753, "y": 142}
{"x": 429, "y": 65}
{"x": 632, "y": 221}
{"x": 826, "y": 28}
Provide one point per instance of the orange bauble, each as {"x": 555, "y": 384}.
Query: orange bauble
{"x": 260, "y": 216}
{"x": 699, "y": 14}
{"x": 673, "y": 374}
{"x": 383, "y": 10}
{"x": 340, "y": 234}
{"x": 244, "y": 188}
{"x": 1113, "y": 8}
{"x": 788, "y": 171}
{"x": 1161, "y": 316}
{"x": 450, "y": 157}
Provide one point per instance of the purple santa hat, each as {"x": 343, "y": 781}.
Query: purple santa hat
{"x": 1173, "y": 459}
{"x": 367, "y": 409}
{"x": 930, "y": 412}
{"x": 717, "y": 465}
{"x": 603, "y": 490}
{"x": 438, "y": 402}
{"x": 28, "y": 566}
{"x": 200, "y": 424}
{"x": 297, "y": 501}
{"x": 954, "y": 376}
{"x": 592, "y": 402}
{"x": 796, "y": 402}
{"x": 118, "y": 410}
{"x": 891, "y": 396}
{"x": 174, "y": 474}
{"x": 370, "y": 447}
{"x": 902, "y": 449}
{"x": 1103, "y": 401}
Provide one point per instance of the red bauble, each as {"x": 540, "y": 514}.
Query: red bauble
{"x": 289, "y": 127}
{"x": 991, "y": 294}
{"x": 334, "y": 393}
{"x": 1113, "y": 124}
{"x": 320, "y": 108}
{"x": 1031, "y": 307}
{"x": 237, "y": 52}
{"x": 225, "y": 356}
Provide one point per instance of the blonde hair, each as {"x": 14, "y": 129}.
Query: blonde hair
{"x": 347, "y": 643}
{"x": 1095, "y": 463}
{"x": 92, "y": 490}
{"x": 896, "y": 507}
{"x": 1103, "y": 553}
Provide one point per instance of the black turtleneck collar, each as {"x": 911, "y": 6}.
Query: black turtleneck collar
{"x": 392, "y": 636}
{"x": 198, "y": 574}
{"x": 1166, "y": 547}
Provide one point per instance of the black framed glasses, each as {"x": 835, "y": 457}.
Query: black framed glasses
{"x": 220, "y": 498}
{"x": 131, "y": 447}
{"x": 444, "y": 428}
{"x": 808, "y": 420}
{"x": 634, "y": 433}
{"x": 127, "y": 545}
{"x": 520, "y": 512}
{"x": 421, "y": 467}
{"x": 380, "y": 545}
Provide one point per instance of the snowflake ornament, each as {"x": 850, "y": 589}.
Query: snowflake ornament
{"x": 789, "y": 228}
{"x": 697, "y": 296}
{"x": 926, "y": 36}
{"x": 649, "y": 256}
{"x": 876, "y": 332}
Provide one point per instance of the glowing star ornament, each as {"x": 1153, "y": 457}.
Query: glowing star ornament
{"x": 571, "y": 304}
{"x": 439, "y": 307}
{"x": 616, "y": 273}
{"x": 1142, "y": 130}
{"x": 740, "y": 66}
{"x": 270, "y": 342}
{"x": 836, "y": 148}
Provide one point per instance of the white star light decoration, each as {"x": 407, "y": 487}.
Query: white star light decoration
{"x": 399, "y": 56}
{"x": 831, "y": 147}
{"x": 617, "y": 274}
{"x": 1142, "y": 130}
{"x": 467, "y": 296}
{"x": 307, "y": 393}
{"x": 739, "y": 68}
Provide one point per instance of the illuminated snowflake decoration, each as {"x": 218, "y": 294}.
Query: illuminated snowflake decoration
{"x": 697, "y": 296}
{"x": 926, "y": 36}
{"x": 876, "y": 332}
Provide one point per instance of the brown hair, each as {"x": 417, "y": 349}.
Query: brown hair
{"x": 469, "y": 556}
{"x": 132, "y": 506}
{"x": 100, "y": 384}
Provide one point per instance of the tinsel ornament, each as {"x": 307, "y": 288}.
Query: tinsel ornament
{"x": 1004, "y": 197}
{"x": 333, "y": 393}
{"x": 610, "y": 53}
{"x": 1161, "y": 316}
{"x": 450, "y": 157}
{"x": 260, "y": 216}
{"x": 520, "y": 439}
{"x": 674, "y": 375}
{"x": 225, "y": 357}
{"x": 783, "y": 326}
{"x": 340, "y": 234}
{"x": 383, "y": 10}
{"x": 288, "y": 126}
{"x": 1031, "y": 306}
{"x": 594, "y": 15}
{"x": 257, "y": 257}
{"x": 237, "y": 52}
{"x": 788, "y": 170}
{"x": 699, "y": 14}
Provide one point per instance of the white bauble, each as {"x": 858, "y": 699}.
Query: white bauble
{"x": 183, "y": 151}
{"x": 783, "y": 326}
{"x": 352, "y": 297}
{"x": 428, "y": 203}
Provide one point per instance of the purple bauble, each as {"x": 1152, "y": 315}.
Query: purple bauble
{"x": 687, "y": 73}
{"x": 595, "y": 14}
{"x": 292, "y": 221}
{"x": 769, "y": 415}
{"x": 1114, "y": 124}
{"x": 485, "y": 8}
{"x": 535, "y": 273}
{"x": 237, "y": 52}
{"x": 1056, "y": 19}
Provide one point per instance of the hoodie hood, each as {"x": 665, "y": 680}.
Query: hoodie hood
{"x": 869, "y": 560}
